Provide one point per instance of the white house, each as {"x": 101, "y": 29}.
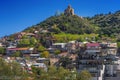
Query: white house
{"x": 59, "y": 46}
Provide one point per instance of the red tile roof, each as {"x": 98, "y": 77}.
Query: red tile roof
{"x": 92, "y": 44}
{"x": 18, "y": 48}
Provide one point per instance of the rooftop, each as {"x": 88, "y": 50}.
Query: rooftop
{"x": 18, "y": 48}
{"x": 92, "y": 44}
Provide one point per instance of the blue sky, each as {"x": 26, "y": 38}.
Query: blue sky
{"x": 16, "y": 15}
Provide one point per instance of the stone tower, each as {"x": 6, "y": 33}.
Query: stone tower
{"x": 69, "y": 11}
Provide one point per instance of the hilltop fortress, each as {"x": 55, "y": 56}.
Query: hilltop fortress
{"x": 69, "y": 11}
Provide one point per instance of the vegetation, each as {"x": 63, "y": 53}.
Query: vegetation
{"x": 85, "y": 75}
{"x": 109, "y": 23}
{"x": 54, "y": 73}
{"x": 2, "y": 50}
{"x": 41, "y": 48}
{"x": 65, "y": 62}
{"x": 27, "y": 42}
{"x": 11, "y": 71}
{"x": 17, "y": 54}
{"x": 57, "y": 52}
{"x": 68, "y": 24}
{"x": 103, "y": 24}
{"x": 62, "y": 37}
{"x": 45, "y": 54}
{"x": 66, "y": 28}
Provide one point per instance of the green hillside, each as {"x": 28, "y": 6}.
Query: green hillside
{"x": 63, "y": 27}
{"x": 66, "y": 22}
{"x": 108, "y": 23}
{"x": 69, "y": 24}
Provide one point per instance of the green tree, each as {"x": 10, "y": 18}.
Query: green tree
{"x": 24, "y": 43}
{"x": 12, "y": 71}
{"x": 2, "y": 50}
{"x": 17, "y": 54}
{"x": 84, "y": 75}
{"x": 54, "y": 73}
{"x": 45, "y": 54}
{"x": 118, "y": 44}
{"x": 37, "y": 72}
{"x": 33, "y": 41}
{"x": 59, "y": 73}
{"x": 57, "y": 52}
{"x": 65, "y": 62}
{"x": 41, "y": 49}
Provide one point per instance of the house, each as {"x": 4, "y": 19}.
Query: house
{"x": 10, "y": 50}
{"x": 112, "y": 48}
{"x": 93, "y": 48}
{"x": 30, "y": 34}
{"x": 59, "y": 46}
{"x": 34, "y": 56}
{"x": 72, "y": 46}
{"x": 19, "y": 35}
{"x": 0, "y": 44}
{"x": 112, "y": 69}
{"x": 41, "y": 63}
{"x": 92, "y": 64}
{"x": 12, "y": 44}
{"x": 44, "y": 31}
{"x": 42, "y": 60}
{"x": 92, "y": 61}
{"x": 109, "y": 48}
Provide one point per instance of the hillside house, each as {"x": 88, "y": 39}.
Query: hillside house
{"x": 1, "y": 45}
{"x": 59, "y": 46}
{"x": 93, "y": 48}
{"x": 34, "y": 56}
{"x": 72, "y": 46}
{"x": 109, "y": 48}
{"x": 93, "y": 63}
{"x": 10, "y": 51}
{"x": 112, "y": 48}
{"x": 30, "y": 35}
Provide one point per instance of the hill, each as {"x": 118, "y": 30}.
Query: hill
{"x": 109, "y": 23}
{"x": 67, "y": 26}
{"x": 67, "y": 23}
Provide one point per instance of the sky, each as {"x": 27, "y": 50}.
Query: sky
{"x": 17, "y": 15}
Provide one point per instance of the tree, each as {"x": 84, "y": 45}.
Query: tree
{"x": 41, "y": 49}
{"x": 33, "y": 41}
{"x": 12, "y": 71}
{"x": 65, "y": 62}
{"x": 17, "y": 54}
{"x": 16, "y": 69}
{"x": 45, "y": 54}
{"x": 118, "y": 44}
{"x": 59, "y": 73}
{"x": 57, "y": 52}
{"x": 118, "y": 38}
{"x": 24, "y": 43}
{"x": 37, "y": 72}
{"x": 54, "y": 73}
{"x": 84, "y": 75}
{"x": 2, "y": 50}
